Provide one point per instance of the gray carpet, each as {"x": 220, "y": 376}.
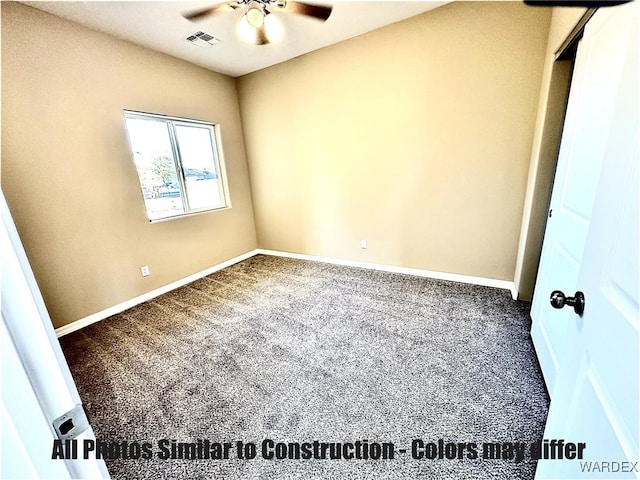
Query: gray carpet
{"x": 296, "y": 351}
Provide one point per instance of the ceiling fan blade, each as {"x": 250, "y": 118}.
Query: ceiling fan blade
{"x": 320, "y": 12}
{"x": 212, "y": 10}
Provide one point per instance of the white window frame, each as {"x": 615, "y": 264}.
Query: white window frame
{"x": 218, "y": 156}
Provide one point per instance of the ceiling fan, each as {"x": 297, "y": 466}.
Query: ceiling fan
{"x": 258, "y": 25}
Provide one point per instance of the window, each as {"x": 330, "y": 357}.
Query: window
{"x": 179, "y": 164}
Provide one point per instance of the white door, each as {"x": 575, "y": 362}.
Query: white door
{"x": 597, "y": 70}
{"x": 37, "y": 388}
{"x": 590, "y": 362}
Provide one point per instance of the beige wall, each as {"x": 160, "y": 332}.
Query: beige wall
{"x": 68, "y": 175}
{"x": 416, "y": 137}
{"x": 551, "y": 109}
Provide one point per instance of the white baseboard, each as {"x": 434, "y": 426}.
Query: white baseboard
{"x": 121, "y": 307}
{"x": 454, "y": 277}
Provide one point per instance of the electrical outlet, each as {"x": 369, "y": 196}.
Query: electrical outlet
{"x": 363, "y": 244}
{"x": 145, "y": 270}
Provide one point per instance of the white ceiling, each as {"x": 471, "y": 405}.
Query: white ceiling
{"x": 159, "y": 25}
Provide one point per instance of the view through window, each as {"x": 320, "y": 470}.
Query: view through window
{"x": 178, "y": 164}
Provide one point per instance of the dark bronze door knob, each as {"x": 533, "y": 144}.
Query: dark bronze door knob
{"x": 559, "y": 300}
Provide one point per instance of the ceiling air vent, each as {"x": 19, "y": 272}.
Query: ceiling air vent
{"x": 203, "y": 39}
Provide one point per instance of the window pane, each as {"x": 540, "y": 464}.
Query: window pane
{"x": 178, "y": 164}
{"x": 199, "y": 163}
{"x": 151, "y": 146}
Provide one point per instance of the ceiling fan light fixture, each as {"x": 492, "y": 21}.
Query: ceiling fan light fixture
{"x": 246, "y": 31}
{"x": 273, "y": 27}
{"x": 255, "y": 15}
